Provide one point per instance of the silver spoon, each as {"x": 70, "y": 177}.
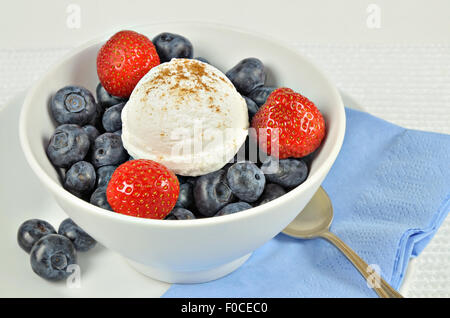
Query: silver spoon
{"x": 315, "y": 221}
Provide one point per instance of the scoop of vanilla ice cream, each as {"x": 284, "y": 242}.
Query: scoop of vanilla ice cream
{"x": 186, "y": 115}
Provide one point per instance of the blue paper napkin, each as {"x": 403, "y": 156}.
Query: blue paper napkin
{"x": 390, "y": 189}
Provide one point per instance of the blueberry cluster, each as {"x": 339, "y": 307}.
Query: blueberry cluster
{"x": 236, "y": 187}
{"x": 51, "y": 252}
{"x": 86, "y": 146}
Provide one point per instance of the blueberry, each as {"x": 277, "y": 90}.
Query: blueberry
{"x": 233, "y": 208}
{"x": 108, "y": 150}
{"x": 80, "y": 178}
{"x": 169, "y": 46}
{"x": 181, "y": 179}
{"x": 186, "y": 196}
{"x": 111, "y": 118}
{"x": 118, "y": 132}
{"x": 271, "y": 192}
{"x": 246, "y": 181}
{"x": 68, "y": 144}
{"x": 98, "y": 198}
{"x": 51, "y": 256}
{"x": 212, "y": 192}
{"x": 202, "y": 59}
{"x": 227, "y": 166}
{"x": 105, "y": 99}
{"x": 32, "y": 231}
{"x": 247, "y": 75}
{"x": 92, "y": 132}
{"x": 251, "y": 107}
{"x": 180, "y": 214}
{"x": 80, "y": 239}
{"x": 260, "y": 94}
{"x": 184, "y": 179}
{"x": 289, "y": 172}
{"x": 104, "y": 174}
{"x": 192, "y": 180}
{"x": 73, "y": 105}
{"x": 97, "y": 120}
{"x": 309, "y": 158}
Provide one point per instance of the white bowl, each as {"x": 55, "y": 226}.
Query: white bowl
{"x": 200, "y": 250}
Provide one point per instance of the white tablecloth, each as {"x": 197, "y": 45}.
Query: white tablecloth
{"x": 407, "y": 85}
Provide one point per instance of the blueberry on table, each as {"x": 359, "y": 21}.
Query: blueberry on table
{"x": 51, "y": 256}
{"x": 68, "y": 144}
{"x": 233, "y": 208}
{"x": 105, "y": 99}
{"x": 186, "y": 196}
{"x": 32, "y": 231}
{"x": 246, "y": 181}
{"x": 247, "y": 75}
{"x": 286, "y": 172}
{"x": 108, "y": 150}
{"x": 180, "y": 214}
{"x": 111, "y": 118}
{"x": 104, "y": 174}
{"x": 92, "y": 132}
{"x": 73, "y": 105}
{"x": 260, "y": 94}
{"x": 98, "y": 198}
{"x": 169, "y": 46}
{"x": 80, "y": 178}
{"x": 212, "y": 192}
{"x": 251, "y": 107}
{"x": 79, "y": 238}
{"x": 271, "y": 192}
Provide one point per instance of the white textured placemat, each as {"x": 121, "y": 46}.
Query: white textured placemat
{"x": 407, "y": 85}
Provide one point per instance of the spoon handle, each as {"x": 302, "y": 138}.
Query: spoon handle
{"x": 381, "y": 287}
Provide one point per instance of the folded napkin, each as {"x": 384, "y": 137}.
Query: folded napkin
{"x": 390, "y": 189}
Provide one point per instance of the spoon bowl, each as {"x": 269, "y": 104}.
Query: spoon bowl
{"x": 314, "y": 219}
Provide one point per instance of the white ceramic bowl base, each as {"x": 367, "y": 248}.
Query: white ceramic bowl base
{"x": 194, "y": 250}
{"x": 188, "y": 277}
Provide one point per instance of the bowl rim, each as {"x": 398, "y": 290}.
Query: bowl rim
{"x": 58, "y": 190}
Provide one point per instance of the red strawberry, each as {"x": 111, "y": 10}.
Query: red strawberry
{"x": 143, "y": 188}
{"x": 123, "y": 60}
{"x": 288, "y": 123}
